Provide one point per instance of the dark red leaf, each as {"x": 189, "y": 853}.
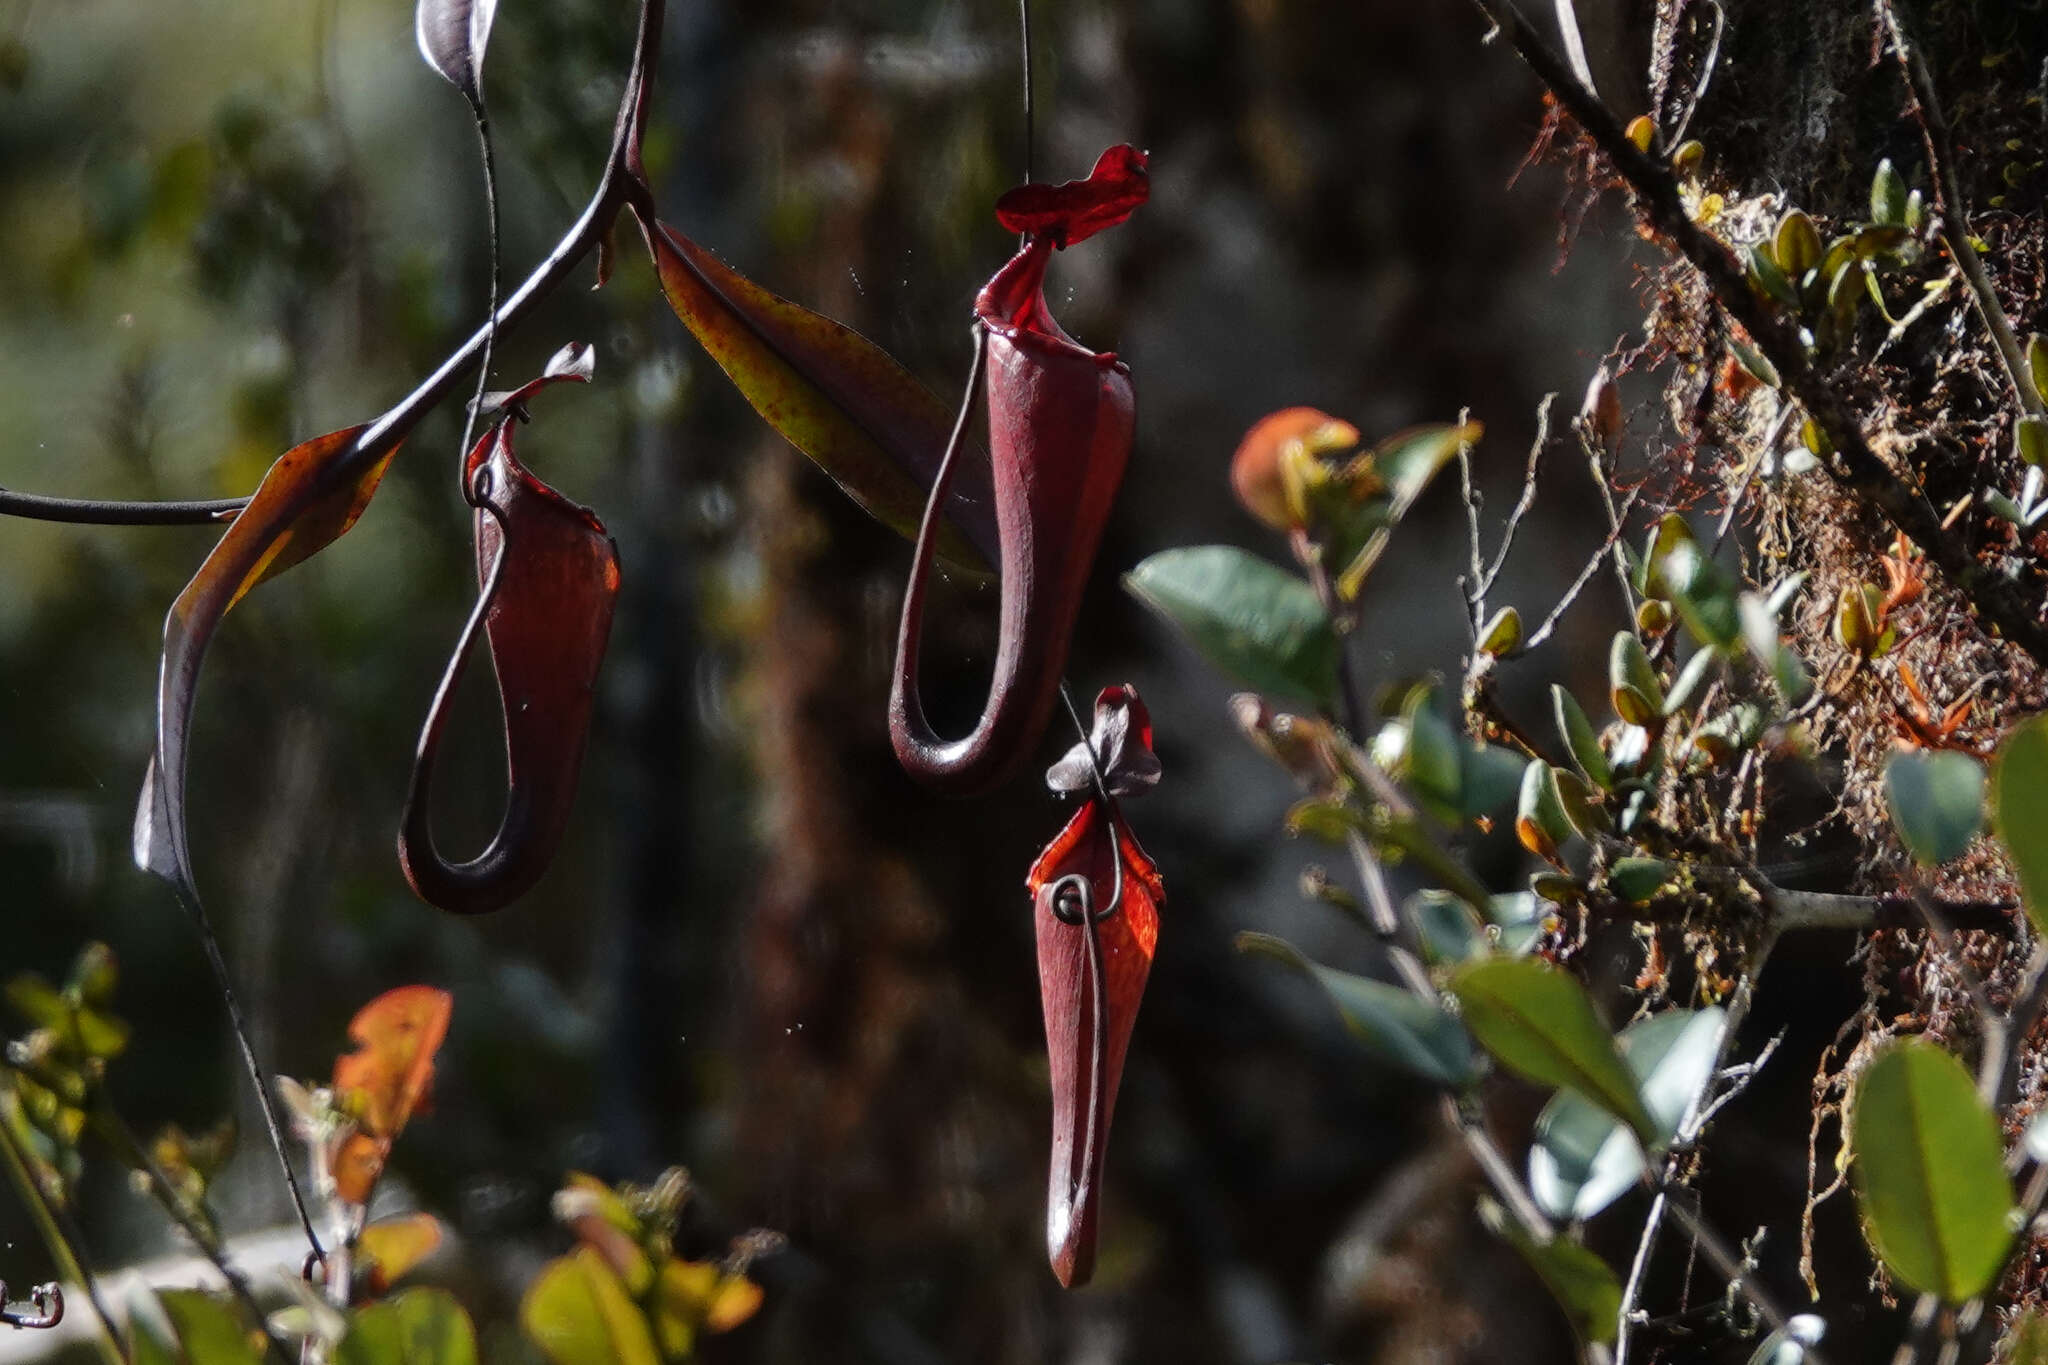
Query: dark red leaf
{"x": 1076, "y": 210}
{"x": 1086, "y": 1050}
{"x": 308, "y": 498}
{"x": 1122, "y": 741}
{"x": 1061, "y": 419}
{"x": 550, "y": 575}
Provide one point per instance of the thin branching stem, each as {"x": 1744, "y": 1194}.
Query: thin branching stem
{"x": 1564, "y": 604}
{"x": 1736, "y": 1270}
{"x": 114, "y": 1130}
{"x": 1522, "y": 504}
{"x": 483, "y": 369}
{"x": 273, "y": 1121}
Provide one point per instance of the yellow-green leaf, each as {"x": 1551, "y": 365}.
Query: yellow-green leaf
{"x": 578, "y": 1313}
{"x": 2019, "y": 801}
{"x": 418, "y": 1327}
{"x": 833, "y": 394}
{"x": 1929, "y": 1169}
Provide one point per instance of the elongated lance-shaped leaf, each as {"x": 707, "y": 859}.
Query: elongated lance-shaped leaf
{"x": 312, "y": 495}
{"x": 453, "y": 35}
{"x": 1400, "y": 1028}
{"x": 833, "y": 394}
{"x": 1537, "y": 1020}
{"x": 550, "y": 577}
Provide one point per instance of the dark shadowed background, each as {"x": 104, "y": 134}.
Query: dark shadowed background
{"x": 763, "y": 953}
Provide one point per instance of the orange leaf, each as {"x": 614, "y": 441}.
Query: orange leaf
{"x": 356, "y": 1165}
{"x": 396, "y": 1037}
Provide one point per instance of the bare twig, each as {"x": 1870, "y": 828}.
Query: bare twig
{"x": 1521, "y": 508}
{"x": 1470, "y": 580}
{"x": 1617, "y": 518}
{"x": 1691, "y": 1124}
{"x": 1544, "y": 631}
{"x": 1736, "y": 1270}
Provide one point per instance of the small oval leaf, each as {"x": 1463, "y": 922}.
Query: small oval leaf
{"x": 1930, "y": 1171}
{"x": 1937, "y": 801}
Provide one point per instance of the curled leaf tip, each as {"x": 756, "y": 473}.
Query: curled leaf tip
{"x": 1076, "y": 210}
{"x": 1122, "y": 743}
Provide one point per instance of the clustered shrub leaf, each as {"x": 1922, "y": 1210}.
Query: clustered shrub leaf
{"x": 1583, "y": 1158}
{"x": 1937, "y": 801}
{"x": 1251, "y": 619}
{"x": 2019, "y": 800}
{"x": 1538, "y": 1022}
{"x": 1929, "y": 1170}
{"x": 1392, "y": 1023}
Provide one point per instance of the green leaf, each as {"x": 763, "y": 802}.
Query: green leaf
{"x": 1580, "y": 737}
{"x": 1636, "y": 880}
{"x": 94, "y": 974}
{"x": 1434, "y": 765}
{"x": 2019, "y": 806}
{"x": 1887, "y": 196}
{"x": 1633, "y": 689}
{"x": 149, "y": 1337}
{"x": 1502, "y": 634}
{"x": 1754, "y": 361}
{"x": 1445, "y": 927}
{"x": 209, "y": 1332}
{"x": 1580, "y": 1281}
{"x": 1937, "y": 801}
{"x": 417, "y": 1327}
{"x": 1250, "y": 618}
{"x": 1489, "y": 777}
{"x": 1582, "y": 1160}
{"x": 40, "y": 1003}
{"x": 1391, "y": 1022}
{"x": 578, "y": 1313}
{"x": 2027, "y": 1342}
{"x": 1539, "y": 1023}
{"x": 1404, "y": 463}
{"x": 1929, "y": 1169}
